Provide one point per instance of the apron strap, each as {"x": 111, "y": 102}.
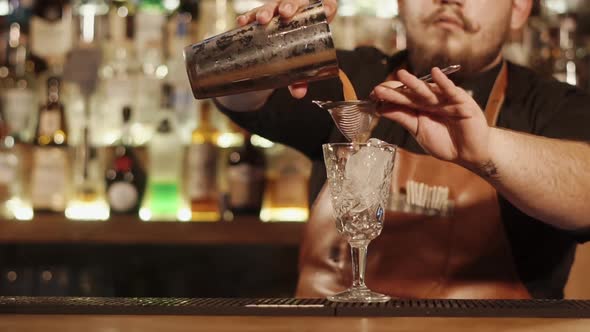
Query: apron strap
{"x": 497, "y": 96}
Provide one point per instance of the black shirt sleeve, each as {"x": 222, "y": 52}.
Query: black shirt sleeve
{"x": 297, "y": 123}
{"x": 300, "y": 123}
{"x": 564, "y": 112}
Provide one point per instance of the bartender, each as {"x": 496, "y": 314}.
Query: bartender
{"x": 509, "y": 147}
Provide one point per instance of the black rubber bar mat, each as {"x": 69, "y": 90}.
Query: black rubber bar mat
{"x": 294, "y": 307}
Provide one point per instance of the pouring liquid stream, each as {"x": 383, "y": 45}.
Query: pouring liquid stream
{"x": 354, "y": 119}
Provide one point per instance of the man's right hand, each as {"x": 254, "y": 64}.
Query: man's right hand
{"x": 286, "y": 9}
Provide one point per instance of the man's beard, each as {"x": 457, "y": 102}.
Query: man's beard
{"x": 424, "y": 57}
{"x": 425, "y": 54}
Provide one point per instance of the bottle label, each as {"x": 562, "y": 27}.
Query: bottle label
{"x": 122, "y": 196}
{"x": 246, "y": 184}
{"x": 121, "y": 90}
{"x": 291, "y": 190}
{"x": 202, "y": 171}
{"x": 49, "y": 178}
{"x": 18, "y": 105}
{"x": 290, "y": 186}
{"x": 8, "y": 165}
{"x": 51, "y": 39}
{"x": 49, "y": 122}
{"x": 149, "y": 97}
{"x": 149, "y": 30}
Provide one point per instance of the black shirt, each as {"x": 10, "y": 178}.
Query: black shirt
{"x": 543, "y": 254}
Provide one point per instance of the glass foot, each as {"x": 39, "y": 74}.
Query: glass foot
{"x": 359, "y": 295}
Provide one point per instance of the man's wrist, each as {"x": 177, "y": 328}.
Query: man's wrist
{"x": 487, "y": 167}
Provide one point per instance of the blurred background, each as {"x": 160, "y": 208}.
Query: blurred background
{"x": 114, "y": 181}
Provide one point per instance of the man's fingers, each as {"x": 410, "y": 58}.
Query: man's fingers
{"x": 265, "y": 13}
{"x": 408, "y": 98}
{"x": 419, "y": 87}
{"x": 246, "y": 18}
{"x": 384, "y": 93}
{"x": 298, "y": 90}
{"x": 452, "y": 93}
{"x": 288, "y": 8}
{"x": 405, "y": 117}
{"x": 331, "y": 7}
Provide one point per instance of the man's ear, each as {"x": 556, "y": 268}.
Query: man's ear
{"x": 521, "y": 9}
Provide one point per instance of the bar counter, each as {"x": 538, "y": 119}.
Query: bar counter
{"x": 163, "y": 314}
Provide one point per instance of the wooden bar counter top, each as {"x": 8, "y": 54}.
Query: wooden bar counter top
{"x": 145, "y": 323}
{"x": 24, "y": 314}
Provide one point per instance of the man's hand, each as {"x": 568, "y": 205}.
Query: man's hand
{"x": 443, "y": 118}
{"x": 286, "y": 9}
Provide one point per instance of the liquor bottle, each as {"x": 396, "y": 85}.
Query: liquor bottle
{"x": 125, "y": 178}
{"x": 164, "y": 200}
{"x": 246, "y": 177}
{"x": 220, "y": 17}
{"x": 150, "y": 21}
{"x": 118, "y": 75}
{"x": 182, "y": 96}
{"x": 88, "y": 199}
{"x": 202, "y": 169}
{"x": 91, "y": 20}
{"x": 9, "y": 168}
{"x": 50, "y": 176}
{"x": 4, "y": 12}
{"x": 21, "y": 13}
{"x": 121, "y": 17}
{"x": 52, "y": 32}
{"x": 17, "y": 95}
{"x": 286, "y": 192}
{"x": 565, "y": 66}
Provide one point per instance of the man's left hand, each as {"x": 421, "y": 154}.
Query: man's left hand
{"x": 443, "y": 118}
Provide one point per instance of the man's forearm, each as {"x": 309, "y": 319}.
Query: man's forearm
{"x": 548, "y": 179}
{"x": 245, "y": 102}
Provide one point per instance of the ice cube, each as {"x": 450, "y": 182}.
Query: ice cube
{"x": 365, "y": 171}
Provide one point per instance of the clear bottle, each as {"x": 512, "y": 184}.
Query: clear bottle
{"x": 125, "y": 178}
{"x": 88, "y": 200}
{"x": 565, "y": 59}
{"x": 50, "y": 176}
{"x": 52, "y": 32}
{"x": 91, "y": 20}
{"x": 18, "y": 91}
{"x": 202, "y": 168}
{"x": 150, "y": 21}
{"x": 182, "y": 96}
{"x": 164, "y": 200}
{"x": 246, "y": 177}
{"x": 10, "y": 178}
{"x": 121, "y": 15}
{"x": 118, "y": 75}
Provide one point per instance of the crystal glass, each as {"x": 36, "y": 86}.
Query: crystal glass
{"x": 359, "y": 179}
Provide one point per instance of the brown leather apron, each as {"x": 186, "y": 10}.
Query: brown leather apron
{"x": 464, "y": 254}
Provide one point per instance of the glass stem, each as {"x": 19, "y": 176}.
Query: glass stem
{"x": 359, "y": 258}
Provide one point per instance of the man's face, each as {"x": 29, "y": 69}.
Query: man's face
{"x": 467, "y": 32}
